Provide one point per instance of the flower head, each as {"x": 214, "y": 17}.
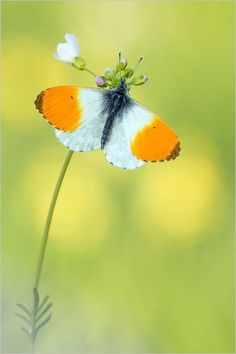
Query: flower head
{"x": 68, "y": 51}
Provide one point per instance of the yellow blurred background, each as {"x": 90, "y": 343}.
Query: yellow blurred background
{"x": 137, "y": 261}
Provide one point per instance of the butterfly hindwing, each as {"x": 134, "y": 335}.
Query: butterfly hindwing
{"x": 117, "y": 149}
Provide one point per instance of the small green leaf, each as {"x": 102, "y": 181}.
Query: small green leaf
{"x": 26, "y": 332}
{"x": 42, "y": 324}
{"x": 38, "y": 313}
{"x": 22, "y": 307}
{"x": 23, "y": 318}
{"x": 43, "y": 312}
{"x": 43, "y": 303}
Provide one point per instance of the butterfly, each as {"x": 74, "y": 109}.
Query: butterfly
{"x": 88, "y": 119}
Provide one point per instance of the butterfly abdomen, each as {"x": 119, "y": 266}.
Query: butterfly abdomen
{"x": 106, "y": 130}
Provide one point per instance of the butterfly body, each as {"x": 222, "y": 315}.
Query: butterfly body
{"x": 109, "y": 119}
{"x": 116, "y": 102}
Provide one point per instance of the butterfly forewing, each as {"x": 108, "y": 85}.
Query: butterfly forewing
{"x": 76, "y": 113}
{"x": 149, "y": 137}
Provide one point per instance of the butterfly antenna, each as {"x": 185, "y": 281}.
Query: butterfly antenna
{"x": 135, "y": 67}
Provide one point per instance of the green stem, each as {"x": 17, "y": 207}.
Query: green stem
{"x": 33, "y": 346}
{"x": 89, "y": 71}
{"x": 49, "y": 219}
{"x": 83, "y": 69}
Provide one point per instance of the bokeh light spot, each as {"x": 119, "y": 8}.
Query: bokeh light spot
{"x": 83, "y": 214}
{"x": 176, "y": 200}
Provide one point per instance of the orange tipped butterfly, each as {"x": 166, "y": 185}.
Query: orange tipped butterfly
{"x": 108, "y": 118}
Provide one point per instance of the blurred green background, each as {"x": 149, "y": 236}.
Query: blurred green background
{"x": 137, "y": 261}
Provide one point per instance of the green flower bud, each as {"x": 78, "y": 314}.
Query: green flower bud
{"x": 109, "y": 74}
{"x": 139, "y": 80}
{"x": 122, "y": 64}
{"x": 128, "y": 72}
{"x": 79, "y": 63}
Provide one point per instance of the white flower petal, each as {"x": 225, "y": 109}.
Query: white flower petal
{"x": 73, "y": 43}
{"x": 64, "y": 53}
{"x": 68, "y": 51}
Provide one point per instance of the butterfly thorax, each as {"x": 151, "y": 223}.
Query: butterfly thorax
{"x": 116, "y": 102}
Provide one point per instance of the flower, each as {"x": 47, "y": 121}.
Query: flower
{"x": 68, "y": 51}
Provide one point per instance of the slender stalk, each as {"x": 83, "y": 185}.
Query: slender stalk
{"x": 33, "y": 345}
{"x": 49, "y": 219}
{"x": 89, "y": 71}
{"x": 84, "y": 69}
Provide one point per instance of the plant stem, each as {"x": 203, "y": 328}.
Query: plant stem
{"x": 49, "y": 219}
{"x": 33, "y": 346}
{"x": 89, "y": 71}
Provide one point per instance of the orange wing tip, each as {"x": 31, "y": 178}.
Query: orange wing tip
{"x": 60, "y": 106}
{"x": 156, "y": 142}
